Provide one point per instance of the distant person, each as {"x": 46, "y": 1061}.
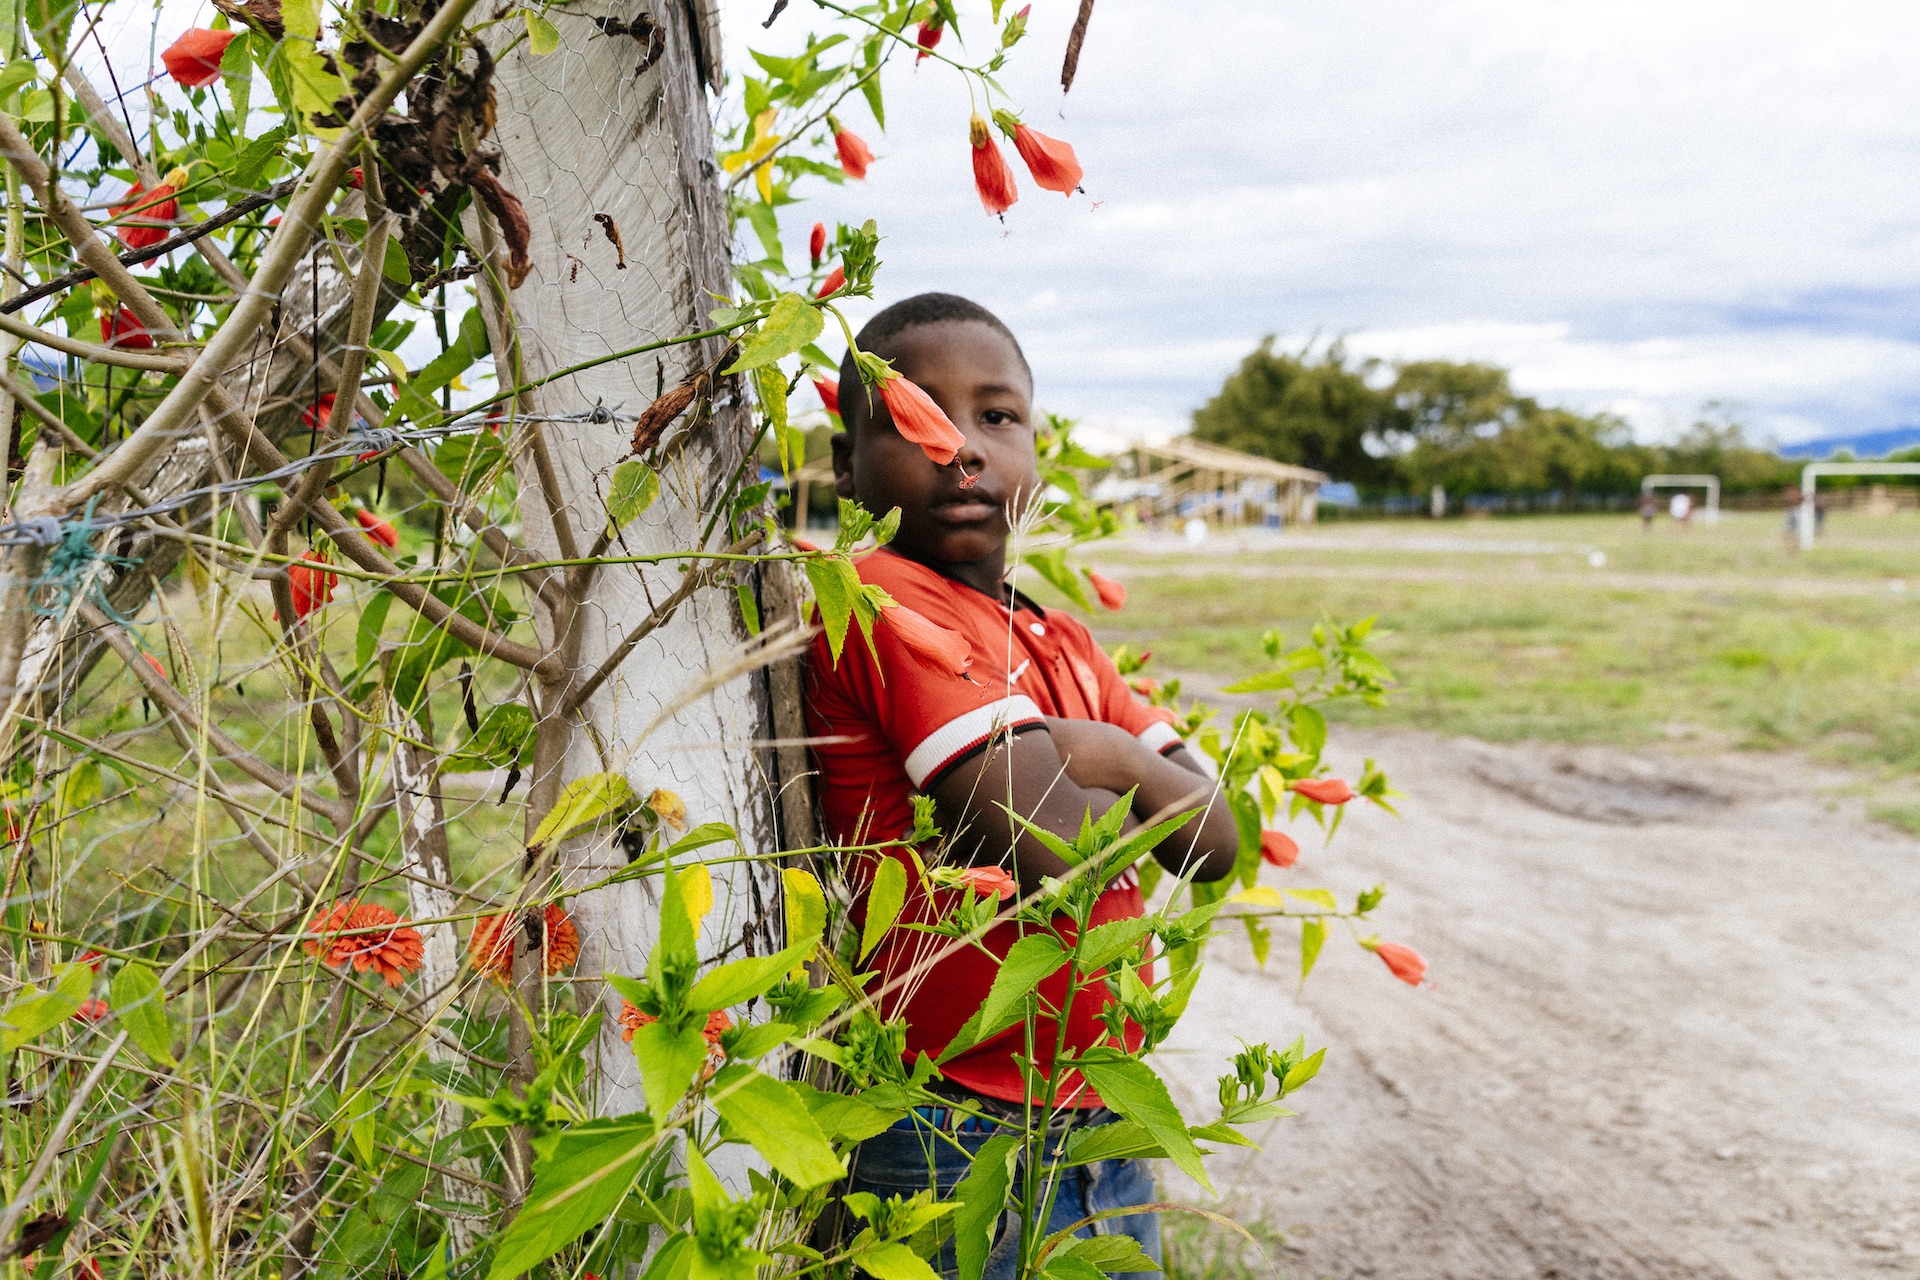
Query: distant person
{"x": 1791, "y": 496}
{"x": 1648, "y": 510}
{"x": 1681, "y": 508}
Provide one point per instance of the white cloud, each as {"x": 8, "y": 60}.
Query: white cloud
{"x": 1638, "y": 204}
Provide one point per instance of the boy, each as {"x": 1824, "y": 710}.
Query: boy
{"x": 1041, "y": 723}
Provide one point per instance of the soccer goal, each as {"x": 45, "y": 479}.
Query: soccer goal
{"x": 1711, "y": 514}
{"x": 1810, "y": 476}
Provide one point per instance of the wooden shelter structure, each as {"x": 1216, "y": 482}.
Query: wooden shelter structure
{"x": 1185, "y": 479}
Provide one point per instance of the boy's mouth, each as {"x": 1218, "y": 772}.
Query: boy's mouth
{"x": 966, "y": 508}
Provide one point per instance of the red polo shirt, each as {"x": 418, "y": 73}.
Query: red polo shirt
{"x": 896, "y": 727}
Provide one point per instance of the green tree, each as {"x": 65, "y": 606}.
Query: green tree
{"x": 1324, "y": 412}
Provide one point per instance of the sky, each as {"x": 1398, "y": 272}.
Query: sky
{"x": 1637, "y": 207}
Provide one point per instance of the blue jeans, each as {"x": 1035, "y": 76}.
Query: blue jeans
{"x": 910, "y": 1157}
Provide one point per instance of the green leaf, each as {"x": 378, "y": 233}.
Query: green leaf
{"x": 1123, "y": 1140}
{"x": 1301, "y": 1072}
{"x": 667, "y": 1063}
{"x": 250, "y": 167}
{"x": 1113, "y": 1255}
{"x": 1308, "y": 728}
{"x": 741, "y": 980}
{"x": 884, "y": 900}
{"x": 1315, "y": 897}
{"x": 633, "y": 489}
{"x": 771, "y": 386}
{"x": 1071, "y": 1267}
{"x": 315, "y": 89}
{"x": 1313, "y": 936}
{"x": 373, "y": 620}
{"x": 895, "y": 1261}
{"x": 37, "y": 1012}
{"x": 582, "y": 801}
{"x": 575, "y": 1189}
{"x": 790, "y": 325}
{"x": 302, "y": 18}
{"x": 504, "y": 736}
{"x": 845, "y": 1119}
{"x": 394, "y": 265}
{"x": 141, "y": 1006}
{"x": 1131, "y": 1088}
{"x": 18, "y": 72}
{"x": 1031, "y": 959}
{"x": 469, "y": 344}
{"x": 806, "y": 903}
{"x": 542, "y": 37}
{"x": 1105, "y": 943}
{"x": 983, "y": 1200}
{"x": 1052, "y": 565}
{"x": 774, "y": 1119}
{"x": 835, "y": 585}
{"x": 1259, "y": 938}
{"x": 1265, "y": 682}
{"x": 700, "y": 837}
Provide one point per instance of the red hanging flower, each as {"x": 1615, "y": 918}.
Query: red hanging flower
{"x": 1145, "y": 686}
{"x": 1112, "y": 595}
{"x": 1403, "y": 962}
{"x": 931, "y": 644}
{"x": 357, "y": 178}
{"x": 311, "y": 582}
{"x": 124, "y": 330}
{"x": 194, "y": 59}
{"x": 317, "y": 414}
{"x": 91, "y": 1011}
{"x": 991, "y": 882}
{"x": 817, "y": 242}
{"x": 393, "y": 953}
{"x": 991, "y": 176}
{"x": 855, "y": 156}
{"x": 377, "y": 529}
{"x": 1278, "y": 849}
{"x": 1323, "y": 790}
{"x": 829, "y": 392}
{"x": 148, "y": 215}
{"x": 920, "y": 420}
{"x": 836, "y": 281}
{"x": 160, "y": 670}
{"x": 1051, "y": 162}
{"x": 92, "y": 959}
{"x": 927, "y": 37}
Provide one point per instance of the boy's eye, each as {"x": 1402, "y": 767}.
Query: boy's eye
{"x": 998, "y": 417}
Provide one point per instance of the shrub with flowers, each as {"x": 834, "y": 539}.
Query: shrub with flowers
{"x": 355, "y": 923}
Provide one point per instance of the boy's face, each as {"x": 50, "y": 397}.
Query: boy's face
{"x": 974, "y": 374}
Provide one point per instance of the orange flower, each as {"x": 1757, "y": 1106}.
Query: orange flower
{"x": 935, "y": 647}
{"x": 1278, "y": 849}
{"x": 311, "y": 583}
{"x": 855, "y": 155}
{"x": 631, "y": 1020}
{"x": 1049, "y": 160}
{"x": 920, "y": 420}
{"x": 991, "y": 176}
{"x": 927, "y": 37}
{"x": 377, "y": 529}
{"x": 125, "y": 331}
{"x": 560, "y": 939}
{"x": 318, "y": 413}
{"x": 194, "y": 59}
{"x": 490, "y": 947}
{"x": 991, "y": 882}
{"x": 829, "y": 394}
{"x": 717, "y": 1022}
{"x": 1112, "y": 595}
{"x": 392, "y": 954}
{"x": 148, "y": 213}
{"x": 836, "y": 281}
{"x": 1323, "y": 790}
{"x": 817, "y": 243}
{"x": 160, "y": 670}
{"x": 91, "y": 1011}
{"x": 1404, "y": 962}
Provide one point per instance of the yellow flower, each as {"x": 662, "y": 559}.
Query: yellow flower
{"x": 764, "y": 140}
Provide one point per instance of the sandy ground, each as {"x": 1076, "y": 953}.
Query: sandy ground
{"x": 1673, "y": 1027}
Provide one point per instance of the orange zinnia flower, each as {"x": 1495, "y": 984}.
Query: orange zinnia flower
{"x": 1278, "y": 849}
{"x": 829, "y": 391}
{"x": 377, "y": 529}
{"x": 91, "y": 1011}
{"x": 935, "y": 647}
{"x": 991, "y": 882}
{"x": 1112, "y": 595}
{"x": 490, "y": 948}
{"x": 312, "y": 584}
{"x": 124, "y": 330}
{"x": 717, "y": 1022}
{"x": 855, "y": 156}
{"x": 817, "y": 243}
{"x": 1323, "y": 790}
{"x": 920, "y": 420}
{"x": 836, "y": 280}
{"x": 991, "y": 176}
{"x": 194, "y": 59}
{"x": 560, "y": 941}
{"x": 631, "y": 1020}
{"x": 392, "y": 954}
{"x": 1404, "y": 962}
{"x": 148, "y": 213}
{"x": 1050, "y": 161}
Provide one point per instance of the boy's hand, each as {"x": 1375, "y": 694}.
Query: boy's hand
{"x": 1097, "y": 754}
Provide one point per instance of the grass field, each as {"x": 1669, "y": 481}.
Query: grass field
{"x": 1516, "y": 629}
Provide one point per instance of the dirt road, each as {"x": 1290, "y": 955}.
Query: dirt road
{"x": 1673, "y": 1027}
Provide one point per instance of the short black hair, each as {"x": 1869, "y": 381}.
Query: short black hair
{"x": 878, "y": 334}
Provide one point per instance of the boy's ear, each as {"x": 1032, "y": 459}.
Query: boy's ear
{"x": 842, "y": 443}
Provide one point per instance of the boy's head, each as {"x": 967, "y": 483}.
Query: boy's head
{"x": 968, "y": 361}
